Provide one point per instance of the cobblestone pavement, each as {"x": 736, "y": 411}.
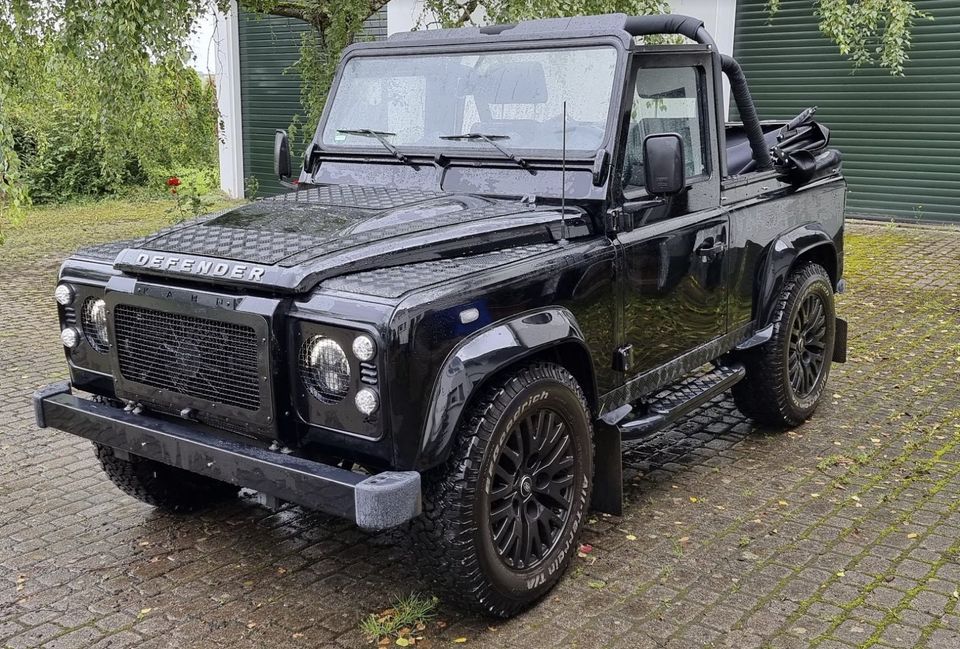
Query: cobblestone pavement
{"x": 843, "y": 532}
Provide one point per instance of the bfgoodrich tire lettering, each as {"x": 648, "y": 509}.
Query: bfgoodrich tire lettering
{"x": 787, "y": 375}
{"x": 458, "y": 533}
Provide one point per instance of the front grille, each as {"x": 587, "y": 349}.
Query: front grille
{"x": 213, "y": 360}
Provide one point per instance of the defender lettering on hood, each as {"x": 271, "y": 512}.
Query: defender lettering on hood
{"x": 199, "y": 266}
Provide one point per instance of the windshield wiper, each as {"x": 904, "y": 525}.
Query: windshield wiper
{"x": 492, "y": 141}
{"x": 381, "y": 137}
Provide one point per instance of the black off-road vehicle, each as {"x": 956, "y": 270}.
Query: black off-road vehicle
{"x": 509, "y": 248}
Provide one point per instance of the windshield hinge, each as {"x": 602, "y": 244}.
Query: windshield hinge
{"x": 612, "y": 219}
{"x": 599, "y": 168}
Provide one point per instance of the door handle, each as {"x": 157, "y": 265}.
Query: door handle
{"x": 710, "y": 248}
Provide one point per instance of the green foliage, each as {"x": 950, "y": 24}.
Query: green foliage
{"x": 67, "y": 150}
{"x": 868, "y": 31}
{"x": 96, "y": 97}
{"x": 454, "y": 13}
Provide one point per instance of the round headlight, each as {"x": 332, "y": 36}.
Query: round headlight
{"x": 94, "y": 321}
{"x": 324, "y": 369}
{"x": 367, "y": 401}
{"x": 70, "y": 337}
{"x": 364, "y": 348}
{"x": 63, "y": 294}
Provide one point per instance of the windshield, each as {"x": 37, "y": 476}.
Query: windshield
{"x": 413, "y": 101}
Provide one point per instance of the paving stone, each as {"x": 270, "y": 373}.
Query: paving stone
{"x": 88, "y": 567}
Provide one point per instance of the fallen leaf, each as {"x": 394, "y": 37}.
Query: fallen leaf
{"x": 782, "y": 503}
{"x": 912, "y": 535}
{"x": 683, "y": 539}
{"x": 841, "y": 573}
{"x": 597, "y": 584}
{"x": 693, "y": 499}
{"x": 459, "y": 640}
{"x": 297, "y": 635}
{"x": 144, "y": 611}
{"x": 403, "y": 642}
{"x": 250, "y": 625}
{"x": 631, "y": 537}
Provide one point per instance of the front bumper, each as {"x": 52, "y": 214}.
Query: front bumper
{"x": 373, "y": 502}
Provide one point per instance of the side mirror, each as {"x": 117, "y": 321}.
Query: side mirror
{"x": 663, "y": 164}
{"x": 282, "y": 166}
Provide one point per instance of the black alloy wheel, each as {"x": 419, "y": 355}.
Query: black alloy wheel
{"x": 806, "y": 357}
{"x": 532, "y": 489}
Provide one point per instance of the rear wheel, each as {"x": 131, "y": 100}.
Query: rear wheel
{"x": 501, "y": 520}
{"x": 787, "y": 375}
{"x": 161, "y": 485}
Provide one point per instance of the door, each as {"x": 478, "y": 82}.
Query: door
{"x": 672, "y": 276}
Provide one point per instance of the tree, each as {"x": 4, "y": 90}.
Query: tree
{"x": 111, "y": 42}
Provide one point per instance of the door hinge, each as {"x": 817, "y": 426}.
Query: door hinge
{"x": 623, "y": 359}
{"x": 613, "y": 217}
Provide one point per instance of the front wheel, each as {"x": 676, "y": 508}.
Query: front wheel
{"x": 787, "y": 375}
{"x": 161, "y": 485}
{"x": 502, "y": 519}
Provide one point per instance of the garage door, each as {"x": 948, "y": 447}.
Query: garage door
{"x": 270, "y": 88}
{"x": 900, "y": 137}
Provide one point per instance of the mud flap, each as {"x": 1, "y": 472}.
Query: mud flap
{"x": 840, "y": 342}
{"x": 607, "y": 471}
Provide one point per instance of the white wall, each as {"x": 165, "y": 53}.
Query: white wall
{"x": 402, "y": 15}
{"x": 719, "y": 17}
{"x": 227, "y": 37}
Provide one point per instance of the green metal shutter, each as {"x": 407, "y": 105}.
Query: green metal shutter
{"x": 269, "y": 90}
{"x": 270, "y": 87}
{"x": 900, "y": 137}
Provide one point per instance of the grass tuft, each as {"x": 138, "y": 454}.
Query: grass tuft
{"x": 407, "y": 617}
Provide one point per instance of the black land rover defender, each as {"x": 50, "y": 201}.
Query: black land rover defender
{"x": 509, "y": 248}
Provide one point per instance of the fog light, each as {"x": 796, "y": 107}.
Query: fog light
{"x": 367, "y": 401}
{"x": 70, "y": 337}
{"x": 64, "y": 294}
{"x": 364, "y": 348}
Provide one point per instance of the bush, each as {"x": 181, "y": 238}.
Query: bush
{"x": 66, "y": 152}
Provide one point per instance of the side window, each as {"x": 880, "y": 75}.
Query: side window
{"x": 666, "y": 100}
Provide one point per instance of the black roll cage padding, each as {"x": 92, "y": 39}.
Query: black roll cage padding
{"x": 748, "y": 111}
{"x": 693, "y": 29}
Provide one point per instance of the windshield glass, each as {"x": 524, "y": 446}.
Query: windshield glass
{"x": 413, "y": 101}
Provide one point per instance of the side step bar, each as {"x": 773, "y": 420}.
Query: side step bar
{"x": 675, "y": 401}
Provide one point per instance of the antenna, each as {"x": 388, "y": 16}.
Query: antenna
{"x": 563, "y": 179}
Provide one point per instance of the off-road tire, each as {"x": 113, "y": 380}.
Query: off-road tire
{"x": 766, "y": 394}
{"x": 161, "y": 485}
{"x": 455, "y": 534}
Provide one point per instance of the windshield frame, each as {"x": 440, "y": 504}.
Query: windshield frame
{"x": 469, "y": 150}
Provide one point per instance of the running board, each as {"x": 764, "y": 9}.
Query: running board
{"x": 679, "y": 399}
